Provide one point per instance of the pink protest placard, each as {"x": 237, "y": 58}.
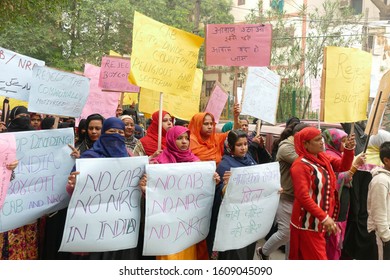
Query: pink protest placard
{"x": 238, "y": 44}
{"x": 217, "y": 102}
{"x": 315, "y": 85}
{"x": 7, "y": 155}
{"x": 113, "y": 74}
{"x": 99, "y": 101}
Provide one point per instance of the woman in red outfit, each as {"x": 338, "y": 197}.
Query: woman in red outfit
{"x": 316, "y": 204}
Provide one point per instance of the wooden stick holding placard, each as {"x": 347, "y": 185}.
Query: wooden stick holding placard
{"x": 371, "y": 125}
{"x": 160, "y": 116}
{"x": 5, "y": 114}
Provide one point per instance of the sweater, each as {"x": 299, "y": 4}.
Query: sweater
{"x": 378, "y": 203}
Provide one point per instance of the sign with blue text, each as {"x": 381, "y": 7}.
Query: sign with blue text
{"x": 16, "y": 74}
{"x": 57, "y": 92}
{"x": 40, "y": 177}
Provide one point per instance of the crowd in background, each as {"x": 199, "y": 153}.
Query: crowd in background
{"x": 334, "y": 196}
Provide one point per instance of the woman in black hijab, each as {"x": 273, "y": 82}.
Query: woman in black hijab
{"x": 19, "y": 120}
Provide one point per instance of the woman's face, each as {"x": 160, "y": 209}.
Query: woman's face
{"x": 244, "y": 125}
{"x": 129, "y": 127}
{"x": 240, "y": 147}
{"x": 94, "y": 129}
{"x": 315, "y": 145}
{"x": 207, "y": 127}
{"x": 183, "y": 141}
{"x": 115, "y": 130}
{"x": 35, "y": 121}
{"x": 167, "y": 122}
{"x": 343, "y": 140}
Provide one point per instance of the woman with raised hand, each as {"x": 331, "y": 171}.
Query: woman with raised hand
{"x": 316, "y": 204}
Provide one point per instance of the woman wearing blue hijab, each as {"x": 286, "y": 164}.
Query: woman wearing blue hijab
{"x": 111, "y": 144}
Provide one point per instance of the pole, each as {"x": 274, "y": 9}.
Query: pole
{"x": 160, "y": 116}
{"x": 372, "y": 125}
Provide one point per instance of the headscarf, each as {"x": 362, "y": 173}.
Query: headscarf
{"x": 333, "y": 137}
{"x": 172, "y": 153}
{"x": 210, "y": 149}
{"x": 307, "y": 134}
{"x": 150, "y": 140}
{"x": 130, "y": 141}
{"x": 111, "y": 145}
{"x": 80, "y": 133}
{"x": 139, "y": 129}
{"x": 47, "y": 123}
{"x": 19, "y": 124}
{"x": 372, "y": 152}
{"x": 227, "y": 127}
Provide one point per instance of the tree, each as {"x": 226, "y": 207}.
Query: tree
{"x": 68, "y": 33}
{"x": 329, "y": 26}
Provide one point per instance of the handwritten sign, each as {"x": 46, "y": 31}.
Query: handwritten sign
{"x": 57, "y": 92}
{"x": 99, "y": 101}
{"x": 16, "y": 74}
{"x": 315, "y": 86}
{"x": 217, "y": 101}
{"x": 261, "y": 94}
{"x": 7, "y": 155}
{"x": 41, "y": 177}
{"x": 182, "y": 106}
{"x": 163, "y": 58}
{"x": 113, "y": 74}
{"x": 179, "y": 198}
{"x": 347, "y": 84}
{"x": 104, "y": 211}
{"x": 249, "y": 206}
{"x": 238, "y": 44}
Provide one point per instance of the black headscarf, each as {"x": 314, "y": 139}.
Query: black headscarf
{"x": 21, "y": 123}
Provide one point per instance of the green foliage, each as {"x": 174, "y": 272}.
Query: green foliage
{"x": 66, "y": 34}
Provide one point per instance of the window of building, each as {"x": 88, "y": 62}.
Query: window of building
{"x": 277, "y": 5}
{"x": 357, "y": 5}
{"x": 209, "y": 87}
{"x": 241, "y": 2}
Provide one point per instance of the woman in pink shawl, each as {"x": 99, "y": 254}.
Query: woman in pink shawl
{"x": 334, "y": 146}
{"x": 177, "y": 147}
{"x": 178, "y": 150}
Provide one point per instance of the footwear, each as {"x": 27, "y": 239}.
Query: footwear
{"x": 259, "y": 253}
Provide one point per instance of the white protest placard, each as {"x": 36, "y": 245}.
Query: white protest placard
{"x": 249, "y": 206}
{"x": 57, "y": 92}
{"x": 315, "y": 86}
{"x": 179, "y": 198}
{"x": 40, "y": 177}
{"x": 261, "y": 94}
{"x": 16, "y": 74}
{"x": 217, "y": 101}
{"x": 7, "y": 155}
{"x": 104, "y": 211}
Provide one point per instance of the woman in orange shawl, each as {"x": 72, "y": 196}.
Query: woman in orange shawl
{"x": 206, "y": 144}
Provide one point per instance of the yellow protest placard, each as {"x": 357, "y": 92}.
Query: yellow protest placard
{"x": 130, "y": 98}
{"x": 182, "y": 106}
{"x": 163, "y": 58}
{"x": 347, "y": 84}
{"x": 13, "y": 102}
{"x": 114, "y": 53}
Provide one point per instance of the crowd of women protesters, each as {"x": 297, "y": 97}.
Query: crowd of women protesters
{"x": 329, "y": 196}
